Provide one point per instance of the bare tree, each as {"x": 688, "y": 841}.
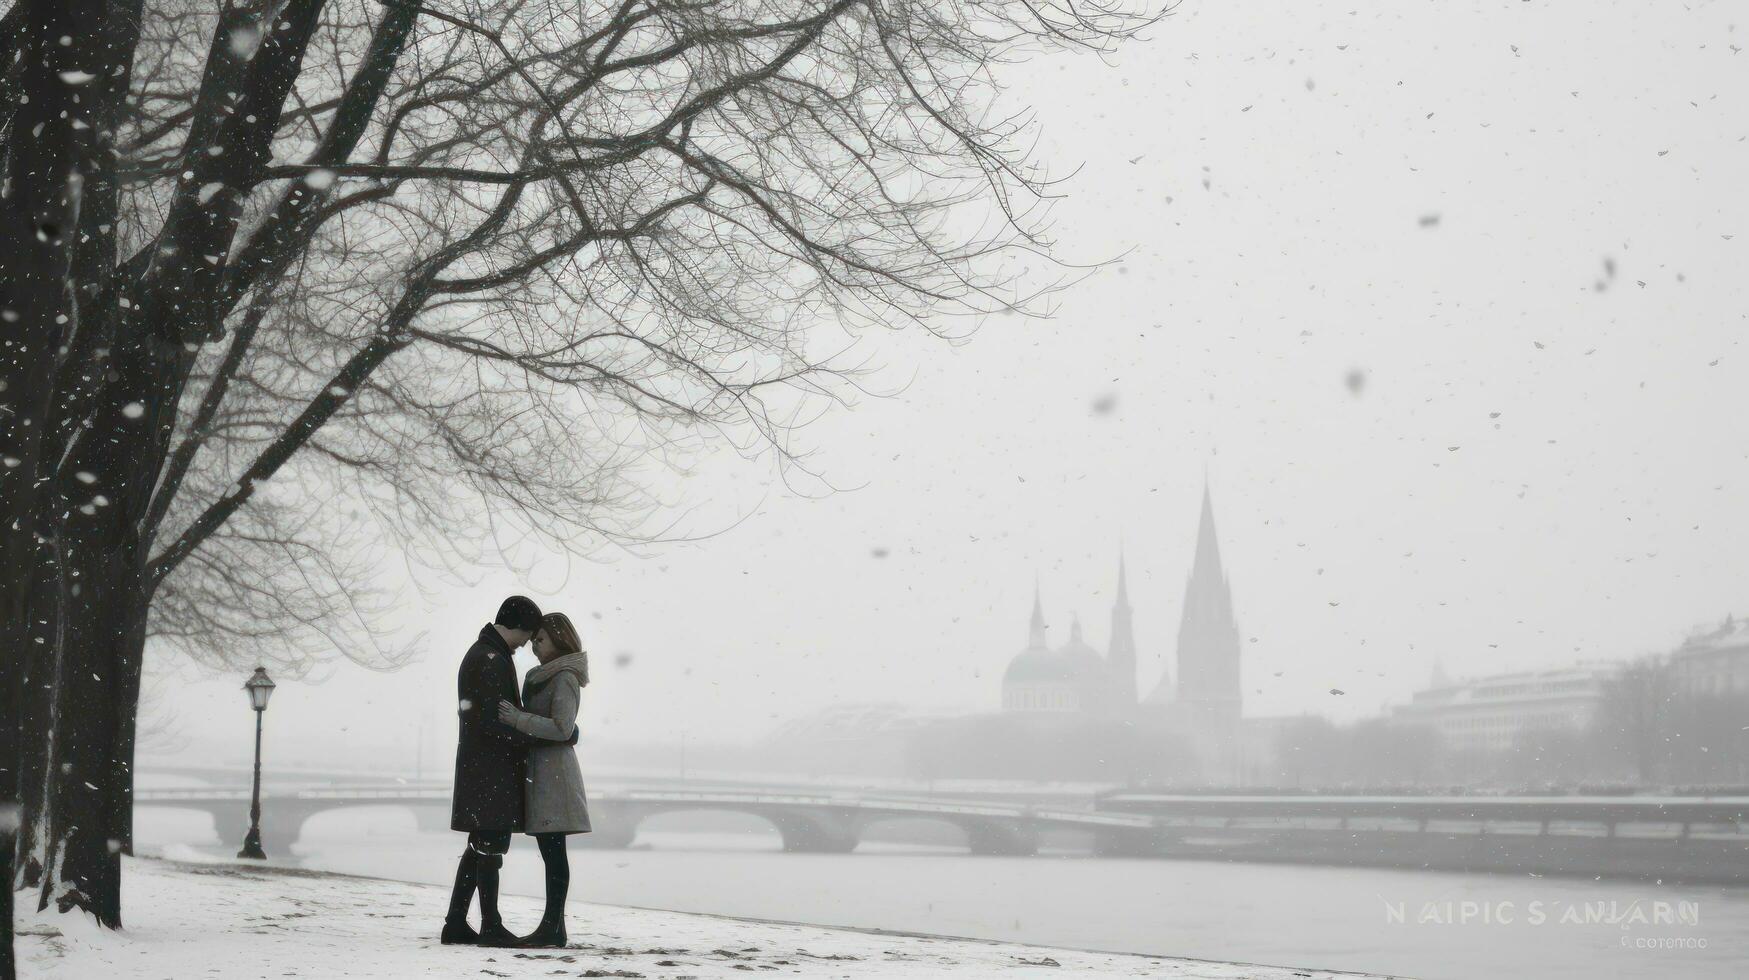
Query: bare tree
{"x": 55, "y": 83}
{"x": 465, "y": 268}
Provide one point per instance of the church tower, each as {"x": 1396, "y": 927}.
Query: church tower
{"x": 1122, "y": 655}
{"x": 1208, "y": 637}
{"x": 1036, "y": 634}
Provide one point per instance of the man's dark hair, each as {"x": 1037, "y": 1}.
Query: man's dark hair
{"x": 519, "y": 613}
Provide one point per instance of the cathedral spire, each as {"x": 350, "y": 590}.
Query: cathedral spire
{"x": 1208, "y": 549}
{"x": 1036, "y": 638}
{"x": 1122, "y": 655}
{"x": 1208, "y": 634}
{"x": 1123, "y": 586}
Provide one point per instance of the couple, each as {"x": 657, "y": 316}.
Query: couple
{"x": 515, "y": 768}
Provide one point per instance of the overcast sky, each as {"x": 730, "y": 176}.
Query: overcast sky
{"x": 1366, "y": 290}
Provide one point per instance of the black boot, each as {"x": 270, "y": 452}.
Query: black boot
{"x": 551, "y": 931}
{"x": 459, "y": 934}
{"x": 497, "y": 936}
{"x": 550, "y": 934}
{"x": 492, "y": 931}
{"x": 456, "y": 931}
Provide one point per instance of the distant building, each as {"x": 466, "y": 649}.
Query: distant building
{"x": 1206, "y": 704}
{"x": 1202, "y": 710}
{"x": 1122, "y": 655}
{"x": 1491, "y": 713}
{"x": 1074, "y": 677}
{"x": 1712, "y": 661}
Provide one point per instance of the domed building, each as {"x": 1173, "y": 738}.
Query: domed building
{"x": 1073, "y": 677}
{"x": 1072, "y": 696}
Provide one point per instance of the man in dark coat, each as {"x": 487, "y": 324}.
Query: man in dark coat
{"x": 490, "y": 758}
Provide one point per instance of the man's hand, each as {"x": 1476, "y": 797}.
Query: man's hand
{"x": 507, "y": 713}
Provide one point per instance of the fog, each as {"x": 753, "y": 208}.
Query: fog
{"x": 1325, "y": 552}
{"x": 1443, "y": 304}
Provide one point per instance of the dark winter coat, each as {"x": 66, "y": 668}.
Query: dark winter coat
{"x": 490, "y": 756}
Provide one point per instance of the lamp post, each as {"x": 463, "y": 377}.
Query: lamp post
{"x": 259, "y": 688}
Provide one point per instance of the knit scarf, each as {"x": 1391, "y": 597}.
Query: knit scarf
{"x": 576, "y": 663}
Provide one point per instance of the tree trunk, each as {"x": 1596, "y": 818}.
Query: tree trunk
{"x": 58, "y": 190}
{"x": 77, "y": 817}
{"x": 85, "y": 819}
{"x": 83, "y": 844}
{"x": 82, "y": 686}
{"x": 35, "y": 710}
{"x": 38, "y": 211}
{"x": 130, "y": 665}
{"x": 12, "y": 652}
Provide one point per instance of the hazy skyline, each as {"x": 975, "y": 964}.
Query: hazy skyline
{"x": 1449, "y": 314}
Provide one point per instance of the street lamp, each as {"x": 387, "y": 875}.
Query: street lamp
{"x": 259, "y": 688}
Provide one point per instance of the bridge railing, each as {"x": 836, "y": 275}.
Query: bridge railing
{"x": 1644, "y": 817}
{"x": 196, "y": 795}
{"x": 874, "y": 804}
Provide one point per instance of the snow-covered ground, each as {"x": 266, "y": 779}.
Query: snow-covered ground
{"x": 229, "y": 920}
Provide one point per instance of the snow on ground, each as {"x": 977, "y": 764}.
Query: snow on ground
{"x": 191, "y": 920}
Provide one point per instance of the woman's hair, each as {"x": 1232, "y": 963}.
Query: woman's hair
{"x": 564, "y": 635}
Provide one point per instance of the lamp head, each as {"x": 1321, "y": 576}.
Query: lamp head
{"x": 260, "y": 688}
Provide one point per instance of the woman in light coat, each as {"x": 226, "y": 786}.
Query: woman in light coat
{"x": 554, "y": 803}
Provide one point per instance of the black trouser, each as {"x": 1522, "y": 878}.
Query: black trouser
{"x": 558, "y": 864}
{"x": 478, "y": 868}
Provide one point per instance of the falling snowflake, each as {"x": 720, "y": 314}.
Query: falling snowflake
{"x": 244, "y": 41}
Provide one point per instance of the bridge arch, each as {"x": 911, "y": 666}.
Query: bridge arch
{"x": 283, "y": 818}
{"x": 981, "y": 834}
{"x": 616, "y": 823}
{"x": 309, "y": 821}
{"x": 179, "y": 821}
{"x": 825, "y": 826}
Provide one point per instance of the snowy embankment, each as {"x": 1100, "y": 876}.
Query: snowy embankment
{"x": 227, "y": 920}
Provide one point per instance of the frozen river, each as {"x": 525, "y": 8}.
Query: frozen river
{"x": 1433, "y": 925}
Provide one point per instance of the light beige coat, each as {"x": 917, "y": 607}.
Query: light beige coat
{"x": 553, "y": 794}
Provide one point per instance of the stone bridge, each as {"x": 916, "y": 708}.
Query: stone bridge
{"x": 819, "y": 823}
{"x": 835, "y": 822}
